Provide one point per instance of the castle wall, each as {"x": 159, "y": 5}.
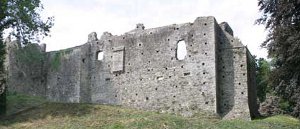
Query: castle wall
{"x": 63, "y": 75}
{"x": 252, "y": 87}
{"x": 234, "y": 81}
{"x": 141, "y": 69}
{"x": 25, "y": 66}
{"x": 151, "y": 76}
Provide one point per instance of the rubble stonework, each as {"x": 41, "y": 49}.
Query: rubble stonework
{"x": 140, "y": 69}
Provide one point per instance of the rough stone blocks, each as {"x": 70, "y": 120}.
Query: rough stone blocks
{"x": 142, "y": 69}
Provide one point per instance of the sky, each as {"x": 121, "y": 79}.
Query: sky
{"x": 75, "y": 19}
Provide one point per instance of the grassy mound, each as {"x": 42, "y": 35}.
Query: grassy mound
{"x": 20, "y": 102}
{"x": 58, "y": 115}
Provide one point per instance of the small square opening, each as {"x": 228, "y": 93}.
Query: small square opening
{"x": 100, "y": 55}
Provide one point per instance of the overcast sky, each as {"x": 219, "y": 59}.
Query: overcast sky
{"x": 75, "y": 19}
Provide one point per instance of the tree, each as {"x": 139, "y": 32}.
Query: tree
{"x": 263, "y": 70}
{"x": 21, "y": 19}
{"x": 282, "y": 19}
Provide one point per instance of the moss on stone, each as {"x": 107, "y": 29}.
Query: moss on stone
{"x": 67, "y": 51}
{"x": 56, "y": 61}
{"x": 29, "y": 54}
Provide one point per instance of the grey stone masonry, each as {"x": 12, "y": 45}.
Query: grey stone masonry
{"x": 143, "y": 69}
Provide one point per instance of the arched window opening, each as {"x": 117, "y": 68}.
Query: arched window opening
{"x": 181, "y": 50}
{"x": 100, "y": 55}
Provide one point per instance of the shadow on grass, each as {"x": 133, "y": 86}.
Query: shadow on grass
{"x": 22, "y": 108}
{"x": 47, "y": 110}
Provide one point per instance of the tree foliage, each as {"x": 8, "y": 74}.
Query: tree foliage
{"x": 24, "y": 20}
{"x": 263, "y": 70}
{"x": 282, "y": 19}
{"x": 21, "y": 19}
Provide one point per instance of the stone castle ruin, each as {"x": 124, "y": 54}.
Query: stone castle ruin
{"x": 142, "y": 69}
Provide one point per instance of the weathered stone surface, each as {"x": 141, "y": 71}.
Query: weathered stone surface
{"x": 25, "y": 69}
{"x": 43, "y": 47}
{"x": 270, "y": 106}
{"x": 140, "y": 26}
{"x": 140, "y": 69}
{"x": 92, "y": 37}
{"x": 226, "y": 27}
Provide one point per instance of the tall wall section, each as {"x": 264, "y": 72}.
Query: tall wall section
{"x": 252, "y": 87}
{"x": 64, "y": 71}
{"x": 236, "y": 76}
{"x": 25, "y": 69}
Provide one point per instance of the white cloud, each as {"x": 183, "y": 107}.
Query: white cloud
{"x": 75, "y": 19}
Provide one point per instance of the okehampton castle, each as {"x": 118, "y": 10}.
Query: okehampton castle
{"x": 142, "y": 69}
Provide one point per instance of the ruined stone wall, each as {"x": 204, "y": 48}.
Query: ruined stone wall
{"x": 141, "y": 69}
{"x": 25, "y": 69}
{"x": 63, "y": 75}
{"x": 234, "y": 81}
{"x": 252, "y": 87}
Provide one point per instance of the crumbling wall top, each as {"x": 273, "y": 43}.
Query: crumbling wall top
{"x": 225, "y": 26}
{"x": 140, "y": 26}
{"x": 92, "y": 37}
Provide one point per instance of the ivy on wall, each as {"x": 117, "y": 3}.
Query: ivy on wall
{"x": 56, "y": 60}
{"x": 29, "y": 54}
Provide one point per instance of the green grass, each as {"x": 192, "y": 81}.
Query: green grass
{"x": 19, "y": 102}
{"x": 55, "y": 63}
{"x": 58, "y": 116}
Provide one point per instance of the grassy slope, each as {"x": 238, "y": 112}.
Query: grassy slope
{"x": 19, "y": 102}
{"x": 57, "y": 115}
